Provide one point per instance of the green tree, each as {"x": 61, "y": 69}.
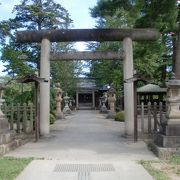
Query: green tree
{"x": 163, "y": 16}
{"x": 36, "y": 15}
{"x": 65, "y": 72}
{"x": 151, "y": 59}
{"x": 30, "y": 15}
{"x": 108, "y": 72}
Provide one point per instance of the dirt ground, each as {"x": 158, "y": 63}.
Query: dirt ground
{"x": 171, "y": 170}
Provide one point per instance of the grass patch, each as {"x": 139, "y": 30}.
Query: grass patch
{"x": 175, "y": 159}
{"x": 11, "y": 167}
{"x": 157, "y": 174}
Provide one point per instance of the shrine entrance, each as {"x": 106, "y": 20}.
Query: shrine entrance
{"x": 45, "y": 37}
{"x": 85, "y": 100}
{"x": 86, "y": 91}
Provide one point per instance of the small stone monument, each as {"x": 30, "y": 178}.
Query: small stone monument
{"x": 59, "y": 113}
{"x": 66, "y": 109}
{"x": 103, "y": 108}
{"x": 169, "y": 135}
{"x": 111, "y": 101}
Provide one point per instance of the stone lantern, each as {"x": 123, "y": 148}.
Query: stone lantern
{"x": 173, "y": 102}
{"x": 169, "y": 135}
{"x": 111, "y": 102}
{"x": 66, "y": 109}
{"x": 103, "y": 108}
{"x": 59, "y": 113}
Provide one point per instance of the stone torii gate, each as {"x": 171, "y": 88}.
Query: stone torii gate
{"x": 45, "y": 37}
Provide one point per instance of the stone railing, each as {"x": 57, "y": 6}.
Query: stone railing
{"x": 20, "y": 117}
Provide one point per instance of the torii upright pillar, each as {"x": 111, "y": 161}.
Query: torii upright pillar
{"x": 128, "y": 87}
{"x": 44, "y": 87}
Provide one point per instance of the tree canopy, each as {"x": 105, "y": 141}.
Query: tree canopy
{"x": 35, "y": 15}
{"x": 152, "y": 59}
{"x": 23, "y": 59}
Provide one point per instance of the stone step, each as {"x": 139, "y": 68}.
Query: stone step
{"x": 85, "y": 104}
{"x": 85, "y": 108}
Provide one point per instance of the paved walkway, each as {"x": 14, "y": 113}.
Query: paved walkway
{"x": 85, "y": 146}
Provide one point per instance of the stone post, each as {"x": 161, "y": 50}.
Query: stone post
{"x": 93, "y": 99}
{"x": 128, "y": 87}
{"x": 59, "y": 113}
{"x": 66, "y": 109}
{"x": 77, "y": 100}
{"x": 45, "y": 87}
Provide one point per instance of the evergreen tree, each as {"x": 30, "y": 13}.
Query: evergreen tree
{"x": 30, "y": 15}
{"x": 152, "y": 59}
{"x": 22, "y": 59}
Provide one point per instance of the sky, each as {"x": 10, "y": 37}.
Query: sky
{"x": 78, "y": 10}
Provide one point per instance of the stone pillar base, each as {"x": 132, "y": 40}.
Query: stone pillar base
{"x": 172, "y": 130}
{"x": 169, "y": 136}
{"x": 67, "y": 110}
{"x": 166, "y": 141}
{"x": 103, "y": 110}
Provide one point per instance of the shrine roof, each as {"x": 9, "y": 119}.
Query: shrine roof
{"x": 86, "y": 83}
{"x": 151, "y": 88}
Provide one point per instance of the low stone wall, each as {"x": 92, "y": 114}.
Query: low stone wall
{"x": 161, "y": 152}
{"x": 10, "y": 140}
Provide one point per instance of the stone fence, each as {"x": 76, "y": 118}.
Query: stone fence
{"x": 151, "y": 117}
{"x": 20, "y": 117}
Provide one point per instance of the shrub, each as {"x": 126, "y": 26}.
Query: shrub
{"x": 52, "y": 119}
{"x": 119, "y": 116}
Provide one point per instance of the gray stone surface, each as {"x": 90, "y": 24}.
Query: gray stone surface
{"x": 46, "y": 170}
{"x": 86, "y": 137}
{"x": 89, "y": 136}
